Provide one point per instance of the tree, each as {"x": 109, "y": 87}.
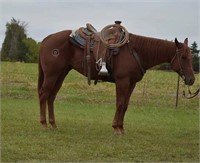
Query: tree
{"x": 32, "y": 50}
{"x": 195, "y": 56}
{"x": 13, "y": 47}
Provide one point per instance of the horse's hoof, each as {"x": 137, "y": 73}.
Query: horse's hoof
{"x": 118, "y": 131}
{"x": 44, "y": 123}
{"x": 44, "y": 126}
{"x": 53, "y": 124}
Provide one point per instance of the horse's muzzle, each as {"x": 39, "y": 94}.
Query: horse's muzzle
{"x": 189, "y": 80}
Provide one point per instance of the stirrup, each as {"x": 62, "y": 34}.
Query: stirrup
{"x": 103, "y": 71}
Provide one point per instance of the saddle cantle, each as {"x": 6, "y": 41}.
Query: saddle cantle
{"x": 99, "y": 44}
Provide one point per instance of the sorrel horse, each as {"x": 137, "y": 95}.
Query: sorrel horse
{"x": 58, "y": 56}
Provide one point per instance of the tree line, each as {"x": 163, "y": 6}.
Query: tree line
{"x": 18, "y": 47}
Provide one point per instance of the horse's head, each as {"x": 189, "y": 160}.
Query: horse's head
{"x": 182, "y": 62}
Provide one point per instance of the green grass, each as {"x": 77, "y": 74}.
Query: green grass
{"x": 155, "y": 130}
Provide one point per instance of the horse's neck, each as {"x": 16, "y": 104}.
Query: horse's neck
{"x": 153, "y": 51}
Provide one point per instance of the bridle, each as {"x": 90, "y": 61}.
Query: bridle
{"x": 187, "y": 95}
{"x": 178, "y": 55}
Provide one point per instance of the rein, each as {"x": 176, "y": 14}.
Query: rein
{"x": 136, "y": 56}
{"x": 189, "y": 94}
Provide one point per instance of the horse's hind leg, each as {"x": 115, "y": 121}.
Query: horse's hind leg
{"x": 52, "y": 97}
{"x": 44, "y": 93}
{"x": 42, "y": 98}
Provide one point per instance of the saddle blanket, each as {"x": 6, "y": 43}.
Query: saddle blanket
{"x": 78, "y": 40}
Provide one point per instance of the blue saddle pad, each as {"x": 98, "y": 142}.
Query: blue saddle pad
{"x": 81, "y": 41}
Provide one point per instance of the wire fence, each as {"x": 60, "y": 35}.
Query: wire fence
{"x": 156, "y": 89}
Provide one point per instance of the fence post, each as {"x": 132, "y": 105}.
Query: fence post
{"x": 177, "y": 91}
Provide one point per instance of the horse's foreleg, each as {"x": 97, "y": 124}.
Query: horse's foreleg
{"x": 52, "y": 97}
{"x": 124, "y": 90}
{"x": 121, "y": 118}
{"x": 122, "y": 86}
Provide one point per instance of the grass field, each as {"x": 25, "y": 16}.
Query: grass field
{"x": 155, "y": 130}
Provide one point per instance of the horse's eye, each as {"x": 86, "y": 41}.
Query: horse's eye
{"x": 184, "y": 57}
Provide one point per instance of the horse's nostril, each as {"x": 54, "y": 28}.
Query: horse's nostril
{"x": 191, "y": 81}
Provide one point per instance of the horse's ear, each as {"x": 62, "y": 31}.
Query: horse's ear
{"x": 176, "y": 42}
{"x": 186, "y": 41}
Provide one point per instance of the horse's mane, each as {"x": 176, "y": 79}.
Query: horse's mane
{"x": 152, "y": 48}
{"x": 151, "y": 44}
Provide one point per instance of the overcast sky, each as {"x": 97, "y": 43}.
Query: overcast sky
{"x": 165, "y": 19}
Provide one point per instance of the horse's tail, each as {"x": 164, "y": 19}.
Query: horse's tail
{"x": 40, "y": 75}
{"x": 40, "y": 70}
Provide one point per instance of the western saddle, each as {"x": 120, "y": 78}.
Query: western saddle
{"x": 100, "y": 44}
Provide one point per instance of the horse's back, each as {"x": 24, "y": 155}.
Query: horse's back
{"x": 56, "y": 38}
